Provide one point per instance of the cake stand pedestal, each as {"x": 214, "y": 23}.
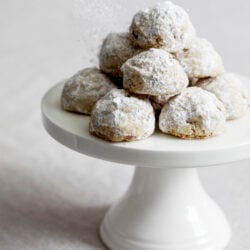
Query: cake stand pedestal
{"x": 165, "y": 207}
{"x": 165, "y": 210}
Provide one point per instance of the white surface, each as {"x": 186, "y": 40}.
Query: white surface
{"x": 159, "y": 150}
{"x": 51, "y": 197}
{"x": 165, "y": 209}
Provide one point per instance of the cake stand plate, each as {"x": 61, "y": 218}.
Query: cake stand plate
{"x": 165, "y": 207}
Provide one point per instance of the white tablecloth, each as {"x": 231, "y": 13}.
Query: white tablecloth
{"x": 54, "y": 198}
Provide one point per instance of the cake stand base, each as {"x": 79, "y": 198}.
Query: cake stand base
{"x": 165, "y": 209}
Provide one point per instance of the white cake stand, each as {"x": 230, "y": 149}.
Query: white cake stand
{"x": 165, "y": 207}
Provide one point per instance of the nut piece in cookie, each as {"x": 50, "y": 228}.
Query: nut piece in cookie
{"x": 154, "y": 72}
{"x": 229, "y": 89}
{"x": 195, "y": 113}
{"x": 200, "y": 60}
{"x": 119, "y": 117}
{"x": 116, "y": 49}
{"x": 84, "y": 89}
{"x": 165, "y": 25}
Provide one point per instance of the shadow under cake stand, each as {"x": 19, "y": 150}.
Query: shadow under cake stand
{"x": 165, "y": 207}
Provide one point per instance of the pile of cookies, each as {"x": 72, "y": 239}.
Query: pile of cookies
{"x": 160, "y": 74}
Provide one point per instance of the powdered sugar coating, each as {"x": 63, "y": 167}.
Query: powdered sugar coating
{"x": 165, "y": 25}
{"x": 195, "y": 113}
{"x": 159, "y": 101}
{"x": 119, "y": 117}
{"x": 116, "y": 49}
{"x": 200, "y": 60}
{"x": 229, "y": 89}
{"x": 154, "y": 72}
{"x": 84, "y": 89}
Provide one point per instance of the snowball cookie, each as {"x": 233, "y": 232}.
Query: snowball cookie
{"x": 159, "y": 101}
{"x": 195, "y": 113}
{"x": 115, "y": 50}
{"x": 154, "y": 72}
{"x": 165, "y": 25}
{"x": 229, "y": 89}
{"x": 200, "y": 60}
{"x": 84, "y": 89}
{"x": 119, "y": 117}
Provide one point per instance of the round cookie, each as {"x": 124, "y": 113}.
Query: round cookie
{"x": 159, "y": 101}
{"x": 119, "y": 117}
{"x": 165, "y": 25}
{"x": 229, "y": 89}
{"x": 195, "y": 113}
{"x": 116, "y": 49}
{"x": 200, "y": 60}
{"x": 154, "y": 72}
{"x": 84, "y": 89}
